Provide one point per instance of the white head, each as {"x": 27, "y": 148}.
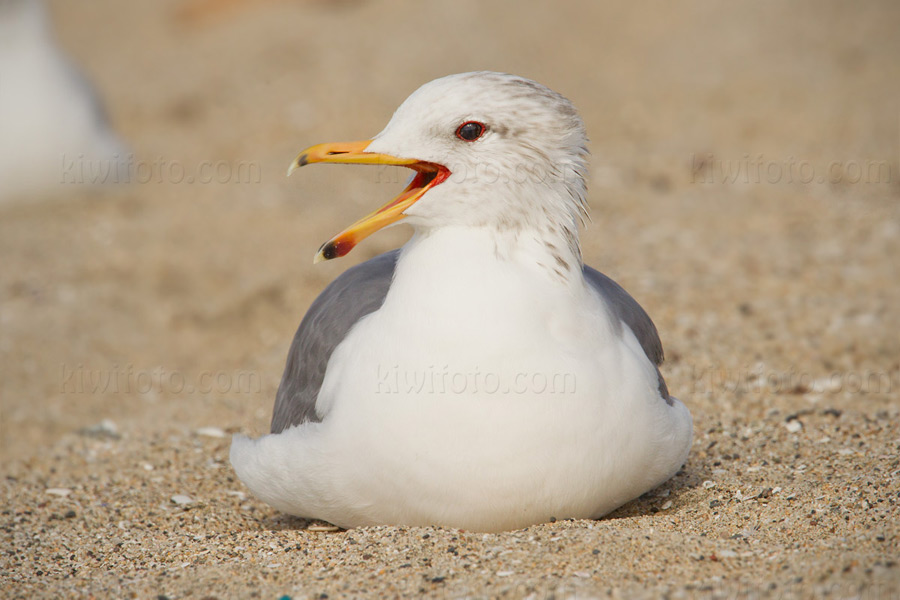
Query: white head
{"x": 491, "y": 150}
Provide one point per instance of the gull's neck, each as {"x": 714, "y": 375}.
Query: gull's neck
{"x": 551, "y": 251}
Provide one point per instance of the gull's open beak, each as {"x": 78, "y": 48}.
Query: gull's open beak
{"x": 427, "y": 176}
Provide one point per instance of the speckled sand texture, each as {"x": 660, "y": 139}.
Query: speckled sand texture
{"x": 140, "y": 328}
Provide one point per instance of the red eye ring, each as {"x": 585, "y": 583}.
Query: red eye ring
{"x": 470, "y": 131}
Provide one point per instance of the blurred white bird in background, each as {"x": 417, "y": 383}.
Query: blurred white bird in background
{"x": 54, "y": 134}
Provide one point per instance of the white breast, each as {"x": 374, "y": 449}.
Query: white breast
{"x": 482, "y": 382}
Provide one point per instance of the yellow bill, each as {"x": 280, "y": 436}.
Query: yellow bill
{"x": 427, "y": 176}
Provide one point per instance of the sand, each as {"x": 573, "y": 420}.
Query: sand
{"x": 745, "y": 188}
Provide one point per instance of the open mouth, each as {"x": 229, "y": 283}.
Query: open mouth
{"x": 428, "y": 175}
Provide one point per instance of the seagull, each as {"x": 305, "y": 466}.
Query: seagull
{"x": 480, "y": 377}
{"x": 55, "y": 130}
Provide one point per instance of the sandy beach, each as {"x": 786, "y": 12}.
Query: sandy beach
{"x": 744, "y": 188}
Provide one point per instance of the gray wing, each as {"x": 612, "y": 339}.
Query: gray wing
{"x": 356, "y": 293}
{"x": 631, "y": 314}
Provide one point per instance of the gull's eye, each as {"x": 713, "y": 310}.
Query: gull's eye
{"x": 470, "y": 131}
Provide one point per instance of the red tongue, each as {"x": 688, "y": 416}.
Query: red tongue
{"x": 414, "y": 186}
{"x": 418, "y": 181}
{"x": 422, "y": 179}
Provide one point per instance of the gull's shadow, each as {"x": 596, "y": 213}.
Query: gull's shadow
{"x": 281, "y": 522}
{"x": 691, "y": 476}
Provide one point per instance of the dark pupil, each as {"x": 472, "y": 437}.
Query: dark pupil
{"x": 470, "y": 131}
